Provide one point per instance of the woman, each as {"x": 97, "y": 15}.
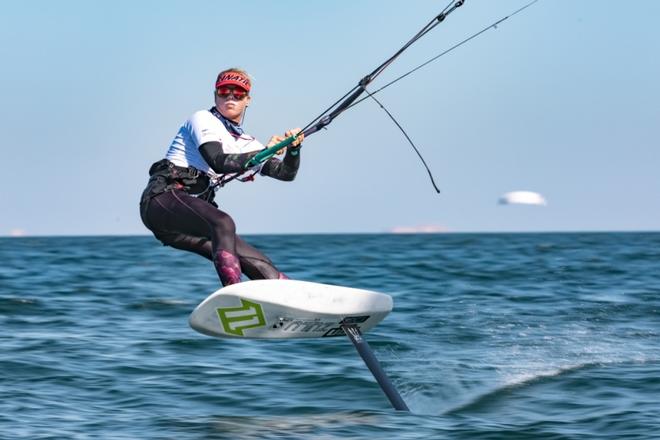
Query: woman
{"x": 177, "y": 205}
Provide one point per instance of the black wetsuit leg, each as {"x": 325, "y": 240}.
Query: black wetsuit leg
{"x": 192, "y": 224}
{"x": 255, "y": 264}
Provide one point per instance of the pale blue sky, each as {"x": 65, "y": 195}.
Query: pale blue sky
{"x": 562, "y": 99}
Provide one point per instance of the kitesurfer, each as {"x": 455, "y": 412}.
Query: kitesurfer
{"x": 178, "y": 203}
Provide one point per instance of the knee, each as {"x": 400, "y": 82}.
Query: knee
{"x": 224, "y": 224}
{"x": 166, "y": 238}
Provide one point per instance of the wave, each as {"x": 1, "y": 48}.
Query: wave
{"x": 515, "y": 383}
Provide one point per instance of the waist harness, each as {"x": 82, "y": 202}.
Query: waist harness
{"x": 165, "y": 176}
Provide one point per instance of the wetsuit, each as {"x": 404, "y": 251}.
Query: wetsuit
{"x": 178, "y": 203}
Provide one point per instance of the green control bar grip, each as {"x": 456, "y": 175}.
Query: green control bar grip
{"x": 269, "y": 152}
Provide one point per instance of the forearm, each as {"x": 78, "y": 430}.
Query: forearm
{"x": 285, "y": 169}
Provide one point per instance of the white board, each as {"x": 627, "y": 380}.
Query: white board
{"x": 285, "y": 309}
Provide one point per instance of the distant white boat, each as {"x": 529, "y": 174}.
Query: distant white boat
{"x": 522, "y": 198}
{"x": 422, "y": 229}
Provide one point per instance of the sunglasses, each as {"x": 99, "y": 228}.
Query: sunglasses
{"x": 237, "y": 94}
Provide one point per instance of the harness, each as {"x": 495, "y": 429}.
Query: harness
{"x": 165, "y": 176}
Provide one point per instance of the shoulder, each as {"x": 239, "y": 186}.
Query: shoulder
{"x": 202, "y": 117}
{"x": 204, "y": 122}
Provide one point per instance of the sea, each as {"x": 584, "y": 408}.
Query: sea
{"x": 492, "y": 336}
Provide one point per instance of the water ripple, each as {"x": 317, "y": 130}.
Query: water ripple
{"x": 492, "y": 336}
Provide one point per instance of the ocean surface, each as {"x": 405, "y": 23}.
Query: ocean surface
{"x": 492, "y": 336}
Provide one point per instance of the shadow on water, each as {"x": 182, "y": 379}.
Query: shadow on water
{"x": 308, "y": 423}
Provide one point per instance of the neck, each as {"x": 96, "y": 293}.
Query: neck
{"x": 234, "y": 127}
{"x": 235, "y": 121}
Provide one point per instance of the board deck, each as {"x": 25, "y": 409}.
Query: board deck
{"x": 287, "y": 309}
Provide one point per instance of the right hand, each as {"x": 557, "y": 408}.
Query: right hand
{"x": 275, "y": 139}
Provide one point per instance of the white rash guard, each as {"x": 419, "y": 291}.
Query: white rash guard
{"x": 204, "y": 127}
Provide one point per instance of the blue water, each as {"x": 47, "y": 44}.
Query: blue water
{"x": 492, "y": 336}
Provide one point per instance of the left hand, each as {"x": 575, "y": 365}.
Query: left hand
{"x": 276, "y": 139}
{"x": 294, "y": 132}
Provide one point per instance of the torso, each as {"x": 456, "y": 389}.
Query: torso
{"x": 203, "y": 127}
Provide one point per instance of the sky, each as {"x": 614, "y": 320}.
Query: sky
{"x": 562, "y": 99}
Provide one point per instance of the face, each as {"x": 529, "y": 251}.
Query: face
{"x": 231, "y": 101}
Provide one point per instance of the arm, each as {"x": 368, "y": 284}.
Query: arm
{"x": 224, "y": 163}
{"x": 285, "y": 169}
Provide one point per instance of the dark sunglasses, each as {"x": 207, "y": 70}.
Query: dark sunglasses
{"x": 237, "y": 94}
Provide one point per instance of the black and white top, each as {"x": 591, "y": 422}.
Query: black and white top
{"x": 203, "y": 127}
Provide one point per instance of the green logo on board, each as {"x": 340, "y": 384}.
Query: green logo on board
{"x": 236, "y": 319}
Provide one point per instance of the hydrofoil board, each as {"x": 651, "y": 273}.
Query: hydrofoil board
{"x": 286, "y": 309}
